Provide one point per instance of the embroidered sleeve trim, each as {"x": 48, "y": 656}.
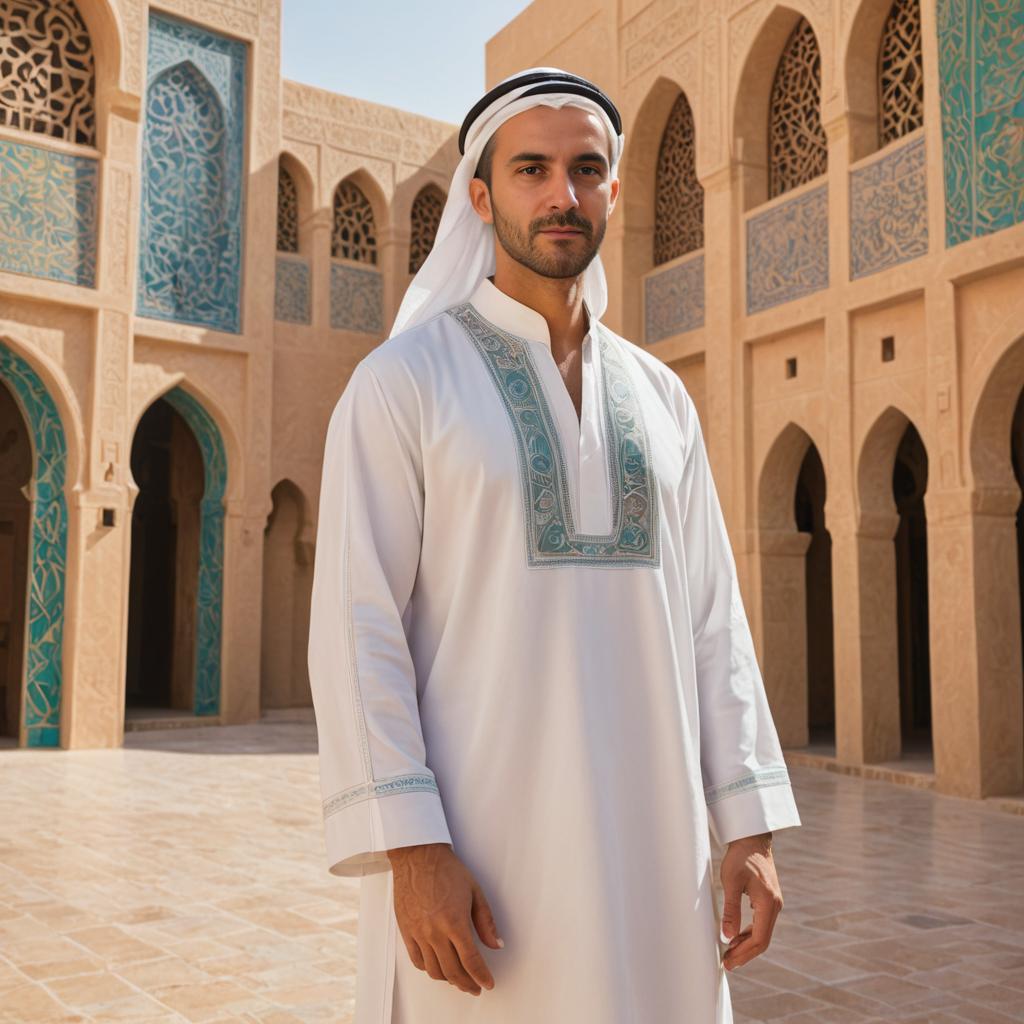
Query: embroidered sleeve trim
{"x": 413, "y": 782}
{"x": 760, "y": 778}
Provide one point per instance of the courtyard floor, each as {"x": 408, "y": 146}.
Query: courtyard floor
{"x": 182, "y": 878}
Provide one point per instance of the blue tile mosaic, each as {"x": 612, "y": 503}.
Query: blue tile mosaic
{"x": 889, "y": 210}
{"x": 292, "y": 290}
{"x": 674, "y": 299}
{"x": 981, "y": 71}
{"x": 49, "y": 552}
{"x": 357, "y": 299}
{"x": 48, "y": 213}
{"x": 190, "y": 251}
{"x": 787, "y": 250}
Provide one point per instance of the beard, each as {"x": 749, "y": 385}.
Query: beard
{"x": 569, "y": 260}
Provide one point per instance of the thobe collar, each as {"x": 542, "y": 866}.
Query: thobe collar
{"x": 514, "y": 316}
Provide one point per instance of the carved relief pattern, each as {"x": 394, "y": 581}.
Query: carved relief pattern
{"x": 674, "y": 300}
{"x": 787, "y": 250}
{"x": 354, "y": 235}
{"x": 48, "y": 558}
{"x": 797, "y": 147}
{"x": 210, "y": 590}
{"x": 190, "y": 251}
{"x": 427, "y": 208}
{"x": 357, "y": 299}
{"x": 900, "y": 75}
{"x": 981, "y": 67}
{"x": 287, "y": 212}
{"x": 292, "y": 290}
{"x": 47, "y": 81}
{"x": 678, "y": 195}
{"x": 48, "y": 213}
{"x": 888, "y": 210}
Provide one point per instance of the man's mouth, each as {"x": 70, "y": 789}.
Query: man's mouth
{"x": 561, "y": 231}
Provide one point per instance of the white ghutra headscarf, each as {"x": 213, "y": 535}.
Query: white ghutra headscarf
{"x": 463, "y": 251}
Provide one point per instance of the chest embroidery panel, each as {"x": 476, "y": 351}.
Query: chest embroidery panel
{"x": 551, "y": 536}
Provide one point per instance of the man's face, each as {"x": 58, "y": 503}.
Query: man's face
{"x": 551, "y": 189}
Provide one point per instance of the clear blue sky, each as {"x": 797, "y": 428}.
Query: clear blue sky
{"x": 427, "y": 58}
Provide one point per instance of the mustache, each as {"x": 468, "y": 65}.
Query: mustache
{"x": 569, "y": 219}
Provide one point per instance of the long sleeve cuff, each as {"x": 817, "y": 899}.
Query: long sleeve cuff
{"x": 361, "y": 829}
{"x": 759, "y": 801}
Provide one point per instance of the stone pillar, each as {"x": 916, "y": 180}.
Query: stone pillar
{"x": 320, "y": 269}
{"x": 393, "y": 263}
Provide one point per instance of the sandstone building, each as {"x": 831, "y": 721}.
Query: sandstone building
{"x": 819, "y": 229}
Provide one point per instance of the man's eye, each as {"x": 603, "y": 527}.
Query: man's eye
{"x": 594, "y": 169}
{"x": 532, "y": 167}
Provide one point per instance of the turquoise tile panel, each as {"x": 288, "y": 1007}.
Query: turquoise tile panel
{"x": 49, "y": 552}
{"x": 889, "y": 210}
{"x": 292, "y": 290}
{"x": 357, "y": 299}
{"x": 209, "y": 600}
{"x": 787, "y": 250}
{"x": 981, "y": 85}
{"x": 48, "y": 213}
{"x": 190, "y": 251}
{"x": 674, "y": 300}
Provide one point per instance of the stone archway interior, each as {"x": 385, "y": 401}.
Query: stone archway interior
{"x": 909, "y": 482}
{"x": 15, "y": 524}
{"x": 167, "y": 465}
{"x": 1017, "y": 456}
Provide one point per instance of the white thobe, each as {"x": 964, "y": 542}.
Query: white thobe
{"x": 527, "y": 640}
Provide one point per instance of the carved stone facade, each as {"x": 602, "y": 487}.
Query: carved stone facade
{"x": 846, "y": 313}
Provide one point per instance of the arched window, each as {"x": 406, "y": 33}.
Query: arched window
{"x": 354, "y": 236}
{"x": 185, "y": 268}
{"x": 678, "y": 195}
{"x": 287, "y": 211}
{"x": 47, "y": 81}
{"x": 426, "y": 215}
{"x": 797, "y": 147}
{"x": 900, "y": 74}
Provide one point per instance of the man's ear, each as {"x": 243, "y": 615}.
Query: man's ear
{"x": 480, "y": 198}
{"x": 613, "y": 194}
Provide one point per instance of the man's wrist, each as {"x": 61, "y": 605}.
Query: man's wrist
{"x": 398, "y": 853}
{"x": 762, "y": 841}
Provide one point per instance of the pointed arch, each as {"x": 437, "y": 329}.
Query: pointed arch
{"x": 354, "y": 223}
{"x": 424, "y": 219}
{"x": 678, "y": 195}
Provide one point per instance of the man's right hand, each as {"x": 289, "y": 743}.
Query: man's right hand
{"x": 436, "y": 898}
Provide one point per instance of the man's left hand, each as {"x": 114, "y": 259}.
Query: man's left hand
{"x": 748, "y": 867}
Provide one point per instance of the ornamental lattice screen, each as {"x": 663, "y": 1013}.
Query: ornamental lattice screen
{"x": 797, "y": 147}
{"x": 678, "y": 195}
{"x": 287, "y": 211}
{"x": 900, "y": 73}
{"x": 354, "y": 236}
{"x": 427, "y": 208}
{"x": 47, "y": 79}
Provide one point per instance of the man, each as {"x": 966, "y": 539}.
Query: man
{"x": 534, "y": 680}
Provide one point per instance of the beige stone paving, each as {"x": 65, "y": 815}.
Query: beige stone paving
{"x": 182, "y": 878}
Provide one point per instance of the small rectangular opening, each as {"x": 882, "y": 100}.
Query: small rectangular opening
{"x": 108, "y": 517}
{"x": 791, "y": 367}
{"x": 888, "y": 349}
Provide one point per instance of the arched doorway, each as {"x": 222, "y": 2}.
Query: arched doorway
{"x": 909, "y": 483}
{"x": 176, "y": 578}
{"x": 15, "y": 520}
{"x": 809, "y": 511}
{"x": 287, "y": 587}
{"x": 39, "y": 684}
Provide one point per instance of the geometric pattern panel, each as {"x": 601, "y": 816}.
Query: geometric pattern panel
{"x": 357, "y": 299}
{"x": 426, "y": 216}
{"x": 48, "y": 213}
{"x": 192, "y": 184}
{"x": 889, "y": 210}
{"x": 287, "y": 212}
{"x": 48, "y": 555}
{"x": 787, "y": 250}
{"x": 209, "y": 596}
{"x": 674, "y": 300}
{"x": 47, "y": 83}
{"x": 291, "y": 290}
{"x": 900, "y": 75}
{"x": 354, "y": 234}
{"x": 981, "y": 71}
{"x": 797, "y": 146}
{"x": 678, "y": 195}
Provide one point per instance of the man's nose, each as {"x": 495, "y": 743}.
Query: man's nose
{"x": 561, "y": 194}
